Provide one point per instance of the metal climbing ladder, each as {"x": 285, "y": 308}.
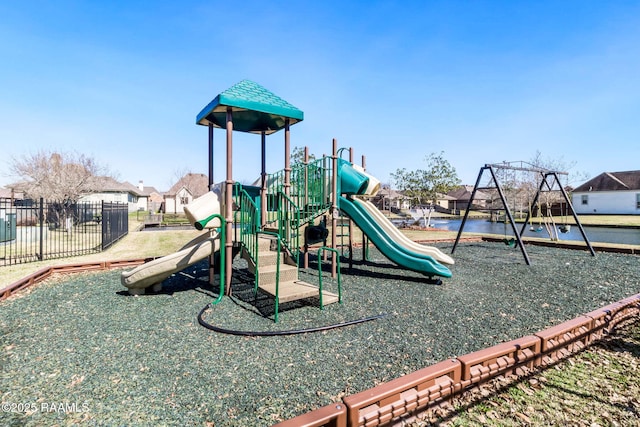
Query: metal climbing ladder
{"x": 343, "y": 234}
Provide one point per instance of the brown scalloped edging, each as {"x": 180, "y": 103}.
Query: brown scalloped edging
{"x": 46, "y": 272}
{"x": 566, "y": 244}
{"x": 416, "y": 393}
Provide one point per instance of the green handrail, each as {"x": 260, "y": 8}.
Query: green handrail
{"x": 335, "y": 251}
{"x": 308, "y": 197}
{"x": 223, "y": 240}
{"x": 277, "y": 296}
{"x": 288, "y": 229}
{"x": 200, "y": 225}
{"x": 308, "y": 187}
{"x": 248, "y": 221}
{"x": 314, "y": 197}
{"x": 341, "y": 150}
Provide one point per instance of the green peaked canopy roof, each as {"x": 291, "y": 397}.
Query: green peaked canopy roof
{"x": 255, "y": 109}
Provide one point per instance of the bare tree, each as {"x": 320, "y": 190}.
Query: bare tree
{"x": 60, "y": 178}
{"x": 559, "y": 164}
{"x": 568, "y": 177}
{"x": 521, "y": 180}
{"x": 57, "y": 176}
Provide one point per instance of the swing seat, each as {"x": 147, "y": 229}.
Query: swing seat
{"x": 510, "y": 242}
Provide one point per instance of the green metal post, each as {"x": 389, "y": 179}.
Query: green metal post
{"x": 277, "y": 303}
{"x": 223, "y": 239}
{"x": 320, "y": 250}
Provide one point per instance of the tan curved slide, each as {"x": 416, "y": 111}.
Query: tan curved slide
{"x": 374, "y": 183}
{"x": 151, "y": 274}
{"x": 201, "y": 209}
{"x": 391, "y": 230}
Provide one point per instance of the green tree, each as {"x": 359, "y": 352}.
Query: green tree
{"x": 312, "y": 174}
{"x": 424, "y": 185}
{"x": 297, "y": 156}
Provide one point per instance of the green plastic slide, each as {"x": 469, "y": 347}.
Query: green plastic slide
{"x": 351, "y": 180}
{"x": 397, "y": 253}
{"x": 396, "y": 235}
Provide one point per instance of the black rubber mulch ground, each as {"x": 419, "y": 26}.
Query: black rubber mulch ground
{"x": 81, "y": 345}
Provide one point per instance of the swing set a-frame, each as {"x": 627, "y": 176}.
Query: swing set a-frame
{"x": 545, "y": 175}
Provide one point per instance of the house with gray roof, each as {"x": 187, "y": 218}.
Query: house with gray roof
{"x": 103, "y": 188}
{"x": 459, "y": 199}
{"x": 610, "y": 193}
{"x": 107, "y": 189}
{"x": 389, "y": 199}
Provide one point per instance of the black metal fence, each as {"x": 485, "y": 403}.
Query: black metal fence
{"x": 36, "y": 230}
{"x": 115, "y": 223}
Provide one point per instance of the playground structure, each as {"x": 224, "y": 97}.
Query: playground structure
{"x": 545, "y": 185}
{"x": 273, "y": 226}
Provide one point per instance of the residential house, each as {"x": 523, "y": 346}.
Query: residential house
{"x": 610, "y": 193}
{"x": 459, "y": 199}
{"x": 443, "y": 203}
{"x": 104, "y": 189}
{"x": 388, "y": 199}
{"x": 189, "y": 187}
{"x": 107, "y": 189}
{"x": 149, "y": 199}
{"x": 11, "y": 193}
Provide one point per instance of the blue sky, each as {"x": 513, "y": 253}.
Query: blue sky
{"x": 482, "y": 81}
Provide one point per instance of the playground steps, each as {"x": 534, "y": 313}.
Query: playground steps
{"x": 267, "y": 273}
{"x": 290, "y": 288}
{"x": 292, "y": 291}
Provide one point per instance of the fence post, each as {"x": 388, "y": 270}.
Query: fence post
{"x": 41, "y": 212}
{"x": 103, "y": 225}
{"x": 105, "y": 219}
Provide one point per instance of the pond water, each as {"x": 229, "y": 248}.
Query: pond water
{"x": 629, "y": 236}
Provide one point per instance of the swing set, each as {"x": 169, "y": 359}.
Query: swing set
{"x": 548, "y": 181}
{"x": 545, "y": 217}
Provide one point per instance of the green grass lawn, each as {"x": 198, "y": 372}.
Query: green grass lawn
{"x": 597, "y": 387}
